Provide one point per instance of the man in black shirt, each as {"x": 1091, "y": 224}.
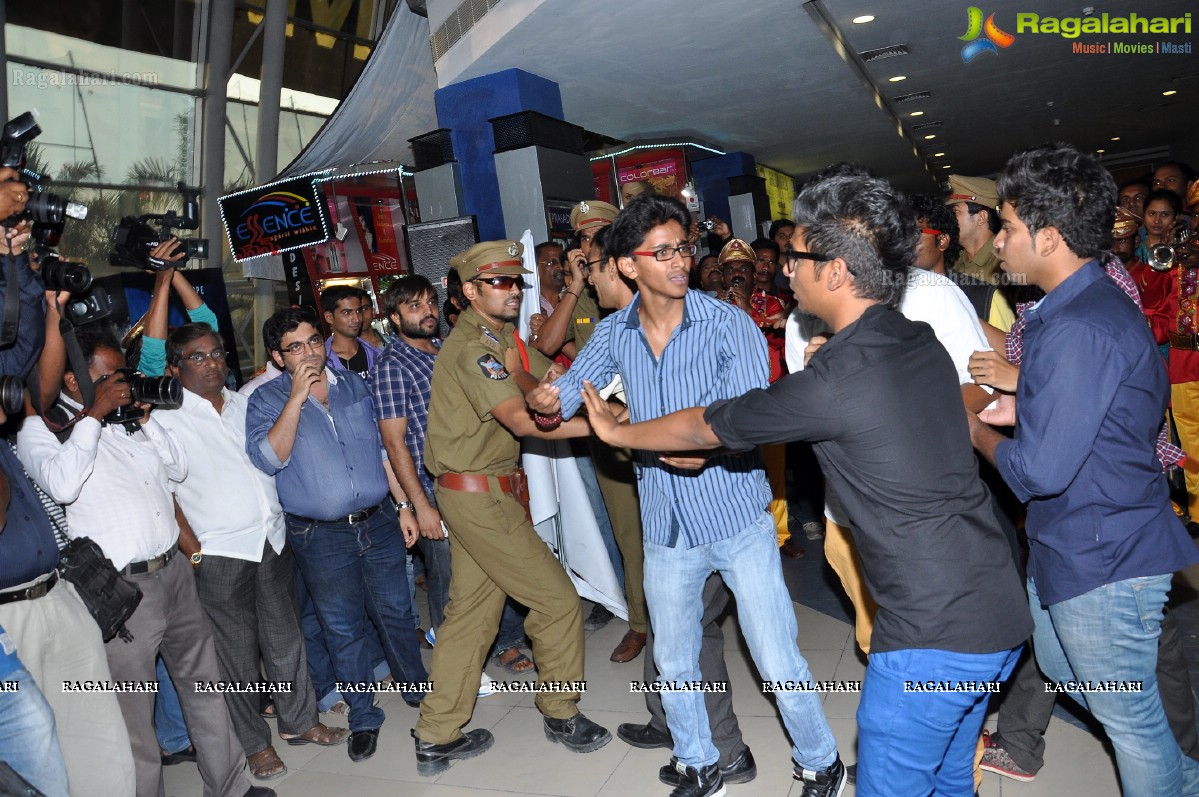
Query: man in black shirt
{"x": 882, "y": 405}
{"x": 344, "y": 349}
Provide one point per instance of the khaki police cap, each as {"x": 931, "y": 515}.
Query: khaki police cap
{"x": 736, "y": 249}
{"x": 489, "y": 258}
{"x": 979, "y": 190}
{"x": 591, "y": 213}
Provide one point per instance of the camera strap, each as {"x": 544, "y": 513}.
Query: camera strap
{"x": 12, "y": 303}
{"x": 76, "y": 362}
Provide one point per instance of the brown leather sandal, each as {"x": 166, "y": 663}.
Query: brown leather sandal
{"x": 320, "y": 734}
{"x": 266, "y": 764}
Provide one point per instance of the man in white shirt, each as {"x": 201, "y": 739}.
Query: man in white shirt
{"x": 113, "y": 479}
{"x": 234, "y": 536}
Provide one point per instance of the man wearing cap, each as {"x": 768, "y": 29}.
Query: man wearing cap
{"x": 477, "y": 414}
{"x": 576, "y": 317}
{"x": 974, "y": 201}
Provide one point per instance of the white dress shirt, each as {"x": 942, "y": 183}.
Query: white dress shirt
{"x": 231, "y": 505}
{"x": 115, "y": 485}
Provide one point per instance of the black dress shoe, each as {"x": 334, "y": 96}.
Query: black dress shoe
{"x": 578, "y": 733}
{"x": 646, "y": 736}
{"x": 259, "y": 791}
{"x": 433, "y": 759}
{"x": 599, "y": 617}
{"x": 692, "y": 782}
{"x": 742, "y": 769}
{"x": 186, "y": 754}
{"x": 362, "y": 744}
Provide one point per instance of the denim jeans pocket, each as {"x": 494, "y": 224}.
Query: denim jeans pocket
{"x": 299, "y": 534}
{"x": 1150, "y": 593}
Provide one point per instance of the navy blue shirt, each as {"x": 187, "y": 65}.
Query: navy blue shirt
{"x": 715, "y": 353}
{"x": 336, "y": 462}
{"x": 27, "y": 545}
{"x": 1089, "y": 404}
{"x": 18, "y": 357}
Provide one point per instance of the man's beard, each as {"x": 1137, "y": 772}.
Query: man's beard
{"x": 417, "y": 330}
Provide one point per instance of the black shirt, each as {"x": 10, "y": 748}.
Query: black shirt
{"x": 882, "y": 404}
{"x": 357, "y": 363}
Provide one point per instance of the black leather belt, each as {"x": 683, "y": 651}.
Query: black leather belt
{"x": 1182, "y": 340}
{"x": 150, "y": 565}
{"x": 36, "y": 591}
{"x": 353, "y": 517}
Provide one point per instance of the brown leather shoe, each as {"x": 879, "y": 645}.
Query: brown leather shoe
{"x": 320, "y": 734}
{"x": 792, "y": 549}
{"x": 629, "y": 647}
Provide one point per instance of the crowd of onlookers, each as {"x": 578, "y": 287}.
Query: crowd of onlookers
{"x": 963, "y": 395}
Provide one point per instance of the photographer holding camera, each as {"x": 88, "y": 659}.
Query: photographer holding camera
{"x": 112, "y": 472}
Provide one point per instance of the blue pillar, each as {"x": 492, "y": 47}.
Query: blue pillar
{"x": 465, "y": 108}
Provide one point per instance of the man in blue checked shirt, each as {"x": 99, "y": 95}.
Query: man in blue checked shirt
{"x": 315, "y": 432}
{"x": 675, "y": 349}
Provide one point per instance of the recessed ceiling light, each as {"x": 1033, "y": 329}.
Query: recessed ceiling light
{"x": 897, "y": 78}
{"x": 1100, "y": 151}
{"x": 1115, "y": 138}
{"x": 938, "y": 154}
{"x": 929, "y": 137}
{"x": 1169, "y": 93}
{"x": 862, "y": 20}
{"x": 916, "y": 113}
{"x": 947, "y": 166}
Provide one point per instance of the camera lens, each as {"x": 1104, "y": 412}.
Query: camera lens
{"x": 12, "y": 395}
{"x": 165, "y": 391}
{"x": 47, "y": 208}
{"x": 196, "y": 248}
{"x": 60, "y": 275}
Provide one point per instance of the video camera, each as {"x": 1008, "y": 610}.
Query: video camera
{"x": 133, "y": 238}
{"x": 42, "y": 207}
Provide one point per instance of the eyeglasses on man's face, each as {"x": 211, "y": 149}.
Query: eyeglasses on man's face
{"x": 313, "y": 342}
{"x": 668, "y": 252}
{"x": 197, "y": 359}
{"x": 791, "y": 257}
{"x": 504, "y": 282}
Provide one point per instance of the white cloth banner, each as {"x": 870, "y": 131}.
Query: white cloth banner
{"x": 558, "y": 502}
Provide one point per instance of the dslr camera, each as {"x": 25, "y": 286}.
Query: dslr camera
{"x": 42, "y": 207}
{"x": 163, "y": 391}
{"x": 133, "y": 238}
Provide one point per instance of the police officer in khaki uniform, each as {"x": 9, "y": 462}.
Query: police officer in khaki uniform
{"x": 477, "y": 414}
{"x": 975, "y": 203}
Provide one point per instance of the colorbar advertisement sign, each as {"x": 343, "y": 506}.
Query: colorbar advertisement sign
{"x": 274, "y": 218}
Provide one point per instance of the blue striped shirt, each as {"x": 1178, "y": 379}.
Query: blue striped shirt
{"x": 715, "y": 353}
{"x": 401, "y": 383}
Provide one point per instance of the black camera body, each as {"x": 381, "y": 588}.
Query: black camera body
{"x": 42, "y": 207}
{"x": 133, "y": 238}
{"x": 162, "y": 391}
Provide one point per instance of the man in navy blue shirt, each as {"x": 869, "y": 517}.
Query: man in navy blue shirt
{"x": 1103, "y": 539}
{"x": 315, "y": 432}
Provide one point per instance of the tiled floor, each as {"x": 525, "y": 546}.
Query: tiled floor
{"x": 523, "y": 762}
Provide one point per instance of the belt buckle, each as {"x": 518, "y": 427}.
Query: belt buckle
{"x": 1182, "y": 340}
{"x": 357, "y": 517}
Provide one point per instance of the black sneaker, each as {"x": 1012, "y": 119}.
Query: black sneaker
{"x": 824, "y": 783}
{"x": 577, "y": 733}
{"x": 599, "y": 617}
{"x": 433, "y": 759}
{"x": 692, "y": 782}
{"x": 742, "y": 769}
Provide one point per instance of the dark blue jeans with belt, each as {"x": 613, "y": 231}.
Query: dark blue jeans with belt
{"x": 349, "y": 565}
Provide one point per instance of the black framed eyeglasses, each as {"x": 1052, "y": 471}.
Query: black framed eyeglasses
{"x": 791, "y": 257}
{"x": 668, "y": 252}
{"x": 504, "y": 282}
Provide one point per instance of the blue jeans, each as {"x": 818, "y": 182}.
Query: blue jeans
{"x": 1110, "y": 633}
{"x": 169, "y": 726}
{"x": 320, "y": 663}
{"x": 600, "y": 510}
{"x": 512, "y": 627}
{"x": 346, "y": 566}
{"x": 436, "y": 557}
{"x": 28, "y": 740}
{"x": 922, "y": 743}
{"x": 749, "y": 563}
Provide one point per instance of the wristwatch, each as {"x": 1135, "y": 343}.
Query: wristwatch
{"x": 405, "y": 505}
{"x": 196, "y": 558}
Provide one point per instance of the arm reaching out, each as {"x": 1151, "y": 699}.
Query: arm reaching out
{"x": 685, "y": 430}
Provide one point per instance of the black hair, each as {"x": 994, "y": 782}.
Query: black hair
{"x": 777, "y": 225}
{"x": 284, "y": 320}
{"x": 766, "y": 243}
{"x": 642, "y": 214}
{"x": 994, "y": 223}
{"x": 183, "y": 335}
{"x": 92, "y": 338}
{"x": 406, "y": 288}
{"x": 840, "y": 169}
{"x": 539, "y": 248}
{"x": 1055, "y": 185}
{"x": 867, "y": 223}
{"x": 335, "y": 295}
{"x": 1165, "y": 195}
{"x": 1145, "y": 180}
{"x": 933, "y": 209}
{"x": 599, "y": 242}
